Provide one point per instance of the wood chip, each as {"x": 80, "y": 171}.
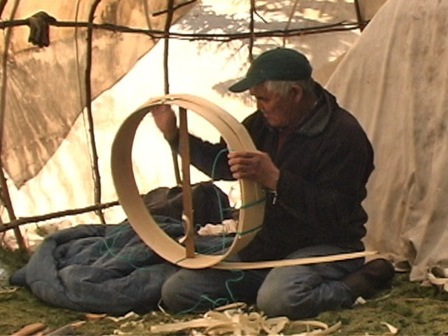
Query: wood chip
{"x": 391, "y": 328}
{"x": 93, "y": 317}
{"x": 30, "y": 329}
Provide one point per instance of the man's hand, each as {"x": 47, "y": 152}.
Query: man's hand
{"x": 166, "y": 121}
{"x": 256, "y": 166}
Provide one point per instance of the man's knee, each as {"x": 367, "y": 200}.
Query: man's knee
{"x": 170, "y": 295}
{"x": 270, "y": 302}
{"x": 186, "y": 292}
{"x": 283, "y": 304}
{"x": 277, "y": 298}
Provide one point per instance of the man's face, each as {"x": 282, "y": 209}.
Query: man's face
{"x": 279, "y": 110}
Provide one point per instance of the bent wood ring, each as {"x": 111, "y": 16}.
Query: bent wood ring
{"x": 252, "y": 195}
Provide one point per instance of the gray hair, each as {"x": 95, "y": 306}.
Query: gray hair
{"x": 283, "y": 87}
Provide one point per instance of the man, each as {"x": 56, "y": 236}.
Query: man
{"x": 314, "y": 159}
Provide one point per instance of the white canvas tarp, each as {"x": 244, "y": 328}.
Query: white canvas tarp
{"x": 45, "y": 88}
{"x": 395, "y": 79}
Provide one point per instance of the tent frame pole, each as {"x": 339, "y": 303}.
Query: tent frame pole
{"x": 91, "y": 123}
{"x": 5, "y": 196}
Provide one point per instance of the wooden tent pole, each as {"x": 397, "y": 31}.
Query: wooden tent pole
{"x": 359, "y": 17}
{"x": 6, "y": 199}
{"x": 188, "y": 240}
{"x": 88, "y": 72}
{"x": 293, "y": 10}
{"x": 174, "y": 8}
{"x": 2, "y": 6}
{"x": 214, "y": 37}
{"x": 34, "y": 219}
{"x": 169, "y": 20}
{"x": 252, "y": 30}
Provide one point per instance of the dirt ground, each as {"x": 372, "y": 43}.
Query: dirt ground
{"x": 406, "y": 309}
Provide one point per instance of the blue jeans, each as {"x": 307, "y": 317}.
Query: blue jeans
{"x": 295, "y": 291}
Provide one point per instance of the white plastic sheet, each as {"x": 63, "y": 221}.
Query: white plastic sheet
{"x": 395, "y": 80}
{"x": 45, "y": 88}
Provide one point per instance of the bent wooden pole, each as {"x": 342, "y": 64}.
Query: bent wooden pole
{"x": 236, "y": 137}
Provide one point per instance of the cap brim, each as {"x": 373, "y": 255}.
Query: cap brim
{"x": 245, "y": 84}
{"x": 240, "y": 86}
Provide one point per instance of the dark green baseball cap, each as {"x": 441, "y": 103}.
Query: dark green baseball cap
{"x": 279, "y": 64}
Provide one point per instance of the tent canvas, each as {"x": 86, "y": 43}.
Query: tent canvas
{"x": 395, "y": 79}
{"x": 44, "y": 88}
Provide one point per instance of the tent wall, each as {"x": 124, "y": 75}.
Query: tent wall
{"x": 395, "y": 79}
{"x": 45, "y": 90}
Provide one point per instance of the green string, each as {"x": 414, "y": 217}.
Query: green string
{"x": 231, "y": 298}
{"x": 220, "y": 301}
{"x": 109, "y": 244}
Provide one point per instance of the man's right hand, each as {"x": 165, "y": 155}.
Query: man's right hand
{"x": 166, "y": 121}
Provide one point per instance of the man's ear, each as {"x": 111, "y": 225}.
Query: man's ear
{"x": 297, "y": 92}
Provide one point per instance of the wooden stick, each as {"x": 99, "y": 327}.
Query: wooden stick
{"x": 293, "y": 262}
{"x": 30, "y": 329}
{"x": 252, "y": 30}
{"x": 186, "y": 184}
{"x": 33, "y": 219}
{"x": 361, "y": 22}
{"x": 166, "y": 75}
{"x": 95, "y": 167}
{"x": 68, "y": 329}
{"x": 4, "y": 191}
{"x": 219, "y": 37}
{"x": 173, "y": 8}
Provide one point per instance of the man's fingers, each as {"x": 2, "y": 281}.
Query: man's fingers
{"x": 247, "y": 155}
{"x": 159, "y": 109}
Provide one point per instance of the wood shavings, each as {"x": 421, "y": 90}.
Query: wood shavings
{"x": 321, "y": 328}
{"x": 359, "y": 301}
{"x": 393, "y": 330}
{"x": 437, "y": 277}
{"x": 240, "y": 306}
{"x": 131, "y": 321}
{"x": 122, "y": 318}
{"x": 236, "y": 322}
{"x": 30, "y": 329}
{"x": 94, "y": 317}
{"x": 227, "y": 226}
{"x": 8, "y": 290}
{"x": 68, "y": 329}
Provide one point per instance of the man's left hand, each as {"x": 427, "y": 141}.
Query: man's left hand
{"x": 256, "y": 166}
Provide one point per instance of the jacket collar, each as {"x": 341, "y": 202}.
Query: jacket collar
{"x": 320, "y": 115}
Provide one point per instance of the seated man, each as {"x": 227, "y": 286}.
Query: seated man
{"x": 314, "y": 160}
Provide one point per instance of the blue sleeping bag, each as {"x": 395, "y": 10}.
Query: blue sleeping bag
{"x": 100, "y": 268}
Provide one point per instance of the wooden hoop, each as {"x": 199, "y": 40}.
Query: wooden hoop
{"x": 250, "y": 217}
{"x": 236, "y": 137}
